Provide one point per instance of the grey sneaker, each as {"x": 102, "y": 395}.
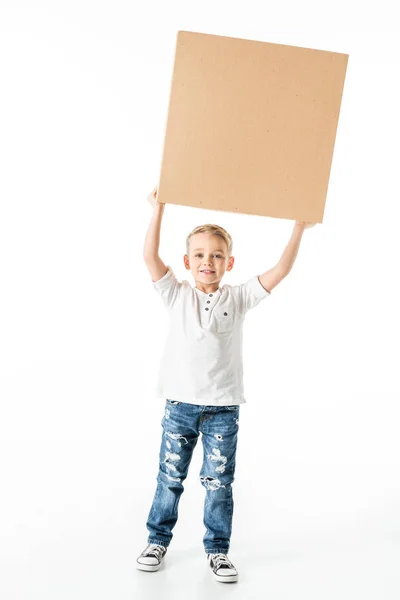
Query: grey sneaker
{"x": 222, "y": 568}
{"x": 151, "y": 557}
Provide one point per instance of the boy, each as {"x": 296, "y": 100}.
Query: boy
{"x": 201, "y": 379}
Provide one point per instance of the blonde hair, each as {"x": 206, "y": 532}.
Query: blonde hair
{"x": 214, "y": 230}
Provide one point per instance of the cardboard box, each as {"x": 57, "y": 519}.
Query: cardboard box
{"x": 251, "y": 126}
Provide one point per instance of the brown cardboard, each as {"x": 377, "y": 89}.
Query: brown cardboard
{"x": 251, "y": 126}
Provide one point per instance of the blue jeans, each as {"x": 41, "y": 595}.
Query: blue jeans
{"x": 182, "y": 424}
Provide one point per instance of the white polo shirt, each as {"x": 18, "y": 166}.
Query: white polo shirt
{"x": 202, "y": 358}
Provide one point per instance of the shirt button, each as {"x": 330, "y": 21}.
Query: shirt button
{"x": 206, "y": 309}
{"x": 208, "y": 301}
{"x": 210, "y": 294}
{"x": 225, "y": 314}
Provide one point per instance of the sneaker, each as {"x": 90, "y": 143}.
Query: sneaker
{"x": 222, "y": 568}
{"x": 151, "y": 557}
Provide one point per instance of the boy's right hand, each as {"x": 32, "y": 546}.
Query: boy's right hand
{"x": 152, "y": 198}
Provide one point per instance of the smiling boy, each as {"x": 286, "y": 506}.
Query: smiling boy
{"x": 201, "y": 378}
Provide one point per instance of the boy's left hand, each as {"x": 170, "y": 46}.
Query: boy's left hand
{"x": 306, "y": 224}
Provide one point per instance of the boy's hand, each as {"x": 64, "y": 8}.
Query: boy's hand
{"x": 305, "y": 224}
{"x": 152, "y": 198}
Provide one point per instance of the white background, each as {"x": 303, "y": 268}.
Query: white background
{"x": 83, "y": 105}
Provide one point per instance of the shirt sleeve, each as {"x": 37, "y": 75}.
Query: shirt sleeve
{"x": 251, "y": 293}
{"x": 168, "y": 287}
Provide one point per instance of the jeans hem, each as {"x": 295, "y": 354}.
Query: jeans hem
{"x": 159, "y": 542}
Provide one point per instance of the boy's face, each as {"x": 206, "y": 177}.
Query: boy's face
{"x": 208, "y": 252}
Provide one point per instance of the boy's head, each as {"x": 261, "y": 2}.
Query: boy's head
{"x": 208, "y": 247}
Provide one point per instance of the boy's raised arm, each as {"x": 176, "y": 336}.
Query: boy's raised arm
{"x": 272, "y": 277}
{"x": 152, "y": 259}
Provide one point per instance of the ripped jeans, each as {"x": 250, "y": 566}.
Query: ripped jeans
{"x": 182, "y": 424}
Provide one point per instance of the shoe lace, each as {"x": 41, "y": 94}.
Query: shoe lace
{"x": 222, "y": 560}
{"x": 154, "y": 549}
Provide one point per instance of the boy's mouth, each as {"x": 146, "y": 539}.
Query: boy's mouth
{"x": 207, "y": 272}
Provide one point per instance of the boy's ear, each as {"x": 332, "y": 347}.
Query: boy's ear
{"x": 231, "y": 262}
{"x": 186, "y": 261}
